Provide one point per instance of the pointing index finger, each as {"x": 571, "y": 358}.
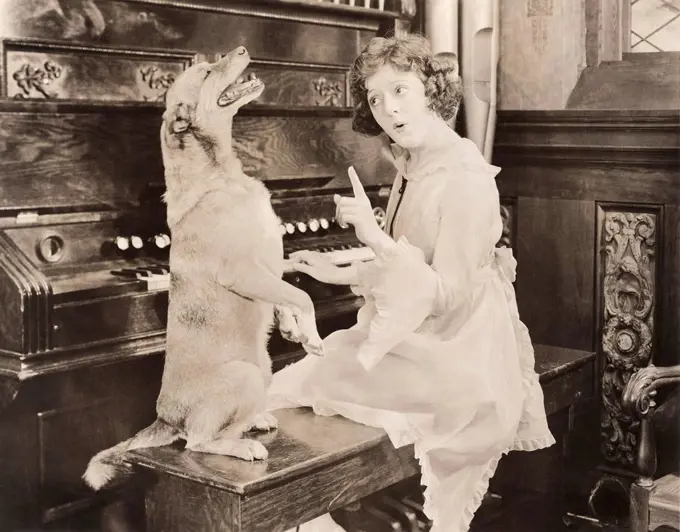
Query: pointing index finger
{"x": 357, "y": 187}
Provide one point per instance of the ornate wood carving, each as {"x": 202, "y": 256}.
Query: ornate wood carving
{"x": 629, "y": 246}
{"x": 330, "y": 93}
{"x": 157, "y": 80}
{"x": 508, "y": 216}
{"x": 33, "y": 81}
{"x": 508, "y": 206}
{"x": 59, "y": 71}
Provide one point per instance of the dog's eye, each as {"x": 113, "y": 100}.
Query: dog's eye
{"x": 207, "y": 73}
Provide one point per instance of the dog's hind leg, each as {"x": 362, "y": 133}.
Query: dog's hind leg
{"x": 230, "y": 442}
{"x": 107, "y": 464}
{"x": 263, "y": 422}
{"x": 218, "y": 421}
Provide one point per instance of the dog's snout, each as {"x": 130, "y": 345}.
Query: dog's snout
{"x": 241, "y": 50}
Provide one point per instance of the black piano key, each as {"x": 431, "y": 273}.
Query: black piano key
{"x": 127, "y": 272}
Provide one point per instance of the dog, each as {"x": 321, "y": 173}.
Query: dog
{"x": 226, "y": 286}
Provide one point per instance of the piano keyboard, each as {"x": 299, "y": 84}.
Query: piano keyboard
{"x": 157, "y": 277}
{"x": 344, "y": 257}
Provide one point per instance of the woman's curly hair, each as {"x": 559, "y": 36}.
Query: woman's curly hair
{"x": 439, "y": 74}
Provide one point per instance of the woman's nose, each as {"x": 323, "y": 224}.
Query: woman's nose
{"x": 390, "y": 106}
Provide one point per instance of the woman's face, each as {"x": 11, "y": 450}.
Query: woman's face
{"x": 398, "y": 103}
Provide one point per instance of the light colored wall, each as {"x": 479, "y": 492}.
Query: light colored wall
{"x": 542, "y": 52}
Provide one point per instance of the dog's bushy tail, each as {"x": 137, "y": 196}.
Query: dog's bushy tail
{"x": 108, "y": 464}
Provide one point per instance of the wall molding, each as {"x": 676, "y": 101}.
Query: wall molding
{"x": 611, "y": 138}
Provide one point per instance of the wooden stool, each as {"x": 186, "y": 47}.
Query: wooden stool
{"x": 316, "y": 464}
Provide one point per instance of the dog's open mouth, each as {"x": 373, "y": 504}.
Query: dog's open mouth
{"x": 243, "y": 86}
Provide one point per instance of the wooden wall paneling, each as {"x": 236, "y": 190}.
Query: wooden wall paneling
{"x": 555, "y": 273}
{"x": 668, "y": 297}
{"x": 571, "y": 180}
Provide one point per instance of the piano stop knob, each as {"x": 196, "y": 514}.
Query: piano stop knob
{"x": 324, "y": 223}
{"x": 122, "y": 243}
{"x": 313, "y": 225}
{"x": 290, "y": 228}
{"x": 302, "y": 227}
{"x": 162, "y": 241}
{"x": 380, "y": 216}
{"x": 136, "y": 242}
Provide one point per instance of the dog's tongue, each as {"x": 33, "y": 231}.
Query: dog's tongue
{"x": 236, "y": 89}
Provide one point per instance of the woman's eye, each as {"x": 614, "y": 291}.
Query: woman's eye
{"x": 401, "y": 89}
{"x": 373, "y": 101}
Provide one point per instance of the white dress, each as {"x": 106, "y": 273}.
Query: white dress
{"x": 459, "y": 384}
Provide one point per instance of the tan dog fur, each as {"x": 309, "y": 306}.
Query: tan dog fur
{"x": 226, "y": 263}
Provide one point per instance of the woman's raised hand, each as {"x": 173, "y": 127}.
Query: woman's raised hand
{"x": 357, "y": 211}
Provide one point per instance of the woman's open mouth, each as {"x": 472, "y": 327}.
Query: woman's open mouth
{"x": 399, "y": 126}
{"x": 243, "y": 86}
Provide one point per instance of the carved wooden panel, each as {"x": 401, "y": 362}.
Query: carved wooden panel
{"x": 301, "y": 85}
{"x": 508, "y": 206}
{"x": 41, "y": 70}
{"x": 628, "y": 272}
{"x": 106, "y": 158}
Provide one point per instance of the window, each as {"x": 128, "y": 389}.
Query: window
{"x": 655, "y": 26}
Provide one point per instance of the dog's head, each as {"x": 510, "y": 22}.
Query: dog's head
{"x": 205, "y": 97}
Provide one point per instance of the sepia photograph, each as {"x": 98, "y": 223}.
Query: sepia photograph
{"x": 339, "y": 265}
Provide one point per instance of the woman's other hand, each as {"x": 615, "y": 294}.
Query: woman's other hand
{"x": 320, "y": 267}
{"x": 358, "y": 212}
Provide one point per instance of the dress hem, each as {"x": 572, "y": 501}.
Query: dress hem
{"x": 429, "y": 481}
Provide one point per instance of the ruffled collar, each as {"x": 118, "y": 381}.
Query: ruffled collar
{"x": 437, "y": 157}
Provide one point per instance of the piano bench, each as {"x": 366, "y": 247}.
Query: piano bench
{"x": 316, "y": 464}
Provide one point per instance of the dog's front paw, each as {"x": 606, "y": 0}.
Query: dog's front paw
{"x": 310, "y": 339}
{"x": 313, "y": 348}
{"x": 264, "y": 422}
{"x": 288, "y": 326}
{"x": 249, "y": 450}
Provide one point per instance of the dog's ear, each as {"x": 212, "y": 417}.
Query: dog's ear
{"x": 176, "y": 120}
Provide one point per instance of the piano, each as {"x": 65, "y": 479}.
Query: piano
{"x": 82, "y": 329}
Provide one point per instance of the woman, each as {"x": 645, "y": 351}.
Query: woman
{"x": 461, "y": 384}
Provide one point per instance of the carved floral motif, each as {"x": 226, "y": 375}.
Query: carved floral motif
{"x": 32, "y": 80}
{"x": 506, "y": 235}
{"x": 157, "y": 81}
{"x": 330, "y": 92}
{"x": 629, "y": 245}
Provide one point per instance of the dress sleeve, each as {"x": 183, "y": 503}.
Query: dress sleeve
{"x": 467, "y": 214}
